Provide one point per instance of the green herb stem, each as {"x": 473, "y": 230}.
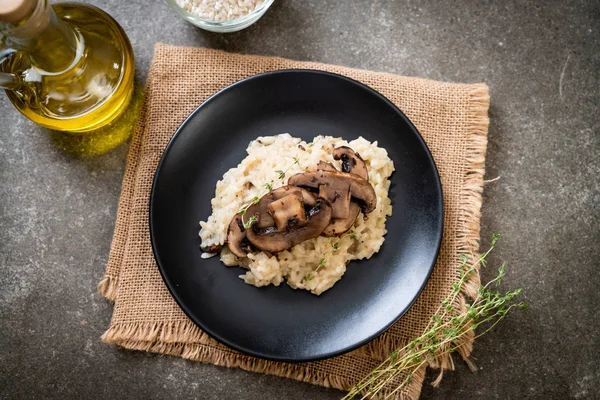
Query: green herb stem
{"x": 445, "y": 328}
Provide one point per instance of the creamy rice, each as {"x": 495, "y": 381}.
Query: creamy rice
{"x": 299, "y": 266}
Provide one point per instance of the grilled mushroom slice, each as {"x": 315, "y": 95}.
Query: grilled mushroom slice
{"x": 260, "y": 209}
{"x": 215, "y": 248}
{"x": 236, "y": 233}
{"x": 338, "y": 197}
{"x": 338, "y": 194}
{"x": 360, "y": 189}
{"x": 351, "y": 162}
{"x": 339, "y": 226}
{"x": 237, "y": 241}
{"x": 325, "y": 166}
{"x": 274, "y": 240}
{"x": 288, "y": 211}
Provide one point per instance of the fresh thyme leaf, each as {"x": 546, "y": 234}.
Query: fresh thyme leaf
{"x": 353, "y": 235}
{"x": 309, "y": 277}
{"x": 336, "y": 246}
{"x": 321, "y": 264}
{"x": 255, "y": 199}
{"x": 249, "y": 223}
{"x": 296, "y": 161}
{"x": 280, "y": 173}
{"x": 268, "y": 186}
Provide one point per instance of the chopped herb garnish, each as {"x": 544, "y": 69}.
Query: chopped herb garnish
{"x": 353, "y": 235}
{"x": 309, "y": 276}
{"x": 249, "y": 223}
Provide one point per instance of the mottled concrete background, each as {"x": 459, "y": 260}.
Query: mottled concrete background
{"x": 542, "y": 62}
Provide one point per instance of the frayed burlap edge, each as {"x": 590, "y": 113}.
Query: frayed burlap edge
{"x": 468, "y": 232}
{"x": 108, "y": 287}
{"x": 191, "y": 343}
{"x": 172, "y": 339}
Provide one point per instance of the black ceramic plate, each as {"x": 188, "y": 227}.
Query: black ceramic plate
{"x": 280, "y": 323}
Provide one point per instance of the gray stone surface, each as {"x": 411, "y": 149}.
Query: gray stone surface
{"x": 542, "y": 63}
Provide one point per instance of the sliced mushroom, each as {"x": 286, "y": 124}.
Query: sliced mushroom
{"x": 339, "y": 226}
{"x": 236, "y": 237}
{"x": 260, "y": 209}
{"x": 351, "y": 162}
{"x": 288, "y": 212}
{"x": 236, "y": 234}
{"x": 273, "y": 240}
{"x": 360, "y": 188}
{"x": 338, "y": 194}
{"x": 325, "y": 166}
{"x": 215, "y": 248}
{"x": 338, "y": 197}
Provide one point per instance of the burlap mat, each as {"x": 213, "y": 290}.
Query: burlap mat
{"x": 451, "y": 117}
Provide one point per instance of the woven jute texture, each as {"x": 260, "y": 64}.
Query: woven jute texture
{"x": 453, "y": 121}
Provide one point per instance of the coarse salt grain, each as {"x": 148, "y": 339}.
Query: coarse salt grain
{"x": 219, "y": 10}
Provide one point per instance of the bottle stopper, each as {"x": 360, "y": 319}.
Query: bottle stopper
{"x": 13, "y": 11}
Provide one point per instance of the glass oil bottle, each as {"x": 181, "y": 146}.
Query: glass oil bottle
{"x": 67, "y": 67}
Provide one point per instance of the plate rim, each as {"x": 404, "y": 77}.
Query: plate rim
{"x": 346, "y": 349}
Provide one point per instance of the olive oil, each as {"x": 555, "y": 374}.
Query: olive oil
{"x": 71, "y": 67}
{"x": 101, "y": 140}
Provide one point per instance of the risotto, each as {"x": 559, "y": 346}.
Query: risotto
{"x": 315, "y": 264}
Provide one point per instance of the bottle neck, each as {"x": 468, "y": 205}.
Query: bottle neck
{"x": 49, "y": 43}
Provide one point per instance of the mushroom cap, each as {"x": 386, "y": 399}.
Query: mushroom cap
{"x": 351, "y": 162}
{"x": 261, "y": 211}
{"x": 273, "y": 240}
{"x": 325, "y": 166}
{"x": 236, "y": 233}
{"x": 215, "y": 248}
{"x": 360, "y": 188}
{"x": 339, "y": 197}
{"x": 339, "y": 226}
{"x": 236, "y": 237}
{"x": 288, "y": 211}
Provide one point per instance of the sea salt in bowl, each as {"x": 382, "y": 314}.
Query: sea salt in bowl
{"x": 221, "y": 15}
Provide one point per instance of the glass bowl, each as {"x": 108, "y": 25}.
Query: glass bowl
{"x": 232, "y": 25}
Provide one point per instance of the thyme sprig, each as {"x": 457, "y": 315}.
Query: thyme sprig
{"x": 443, "y": 333}
{"x": 269, "y": 187}
{"x": 321, "y": 265}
